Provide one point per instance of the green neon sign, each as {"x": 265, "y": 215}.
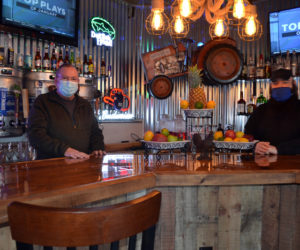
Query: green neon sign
{"x": 102, "y": 28}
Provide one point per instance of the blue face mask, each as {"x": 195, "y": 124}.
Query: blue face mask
{"x": 281, "y": 94}
{"x": 67, "y": 88}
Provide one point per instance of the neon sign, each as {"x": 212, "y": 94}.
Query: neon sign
{"x": 103, "y": 31}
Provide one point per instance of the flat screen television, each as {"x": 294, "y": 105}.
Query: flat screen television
{"x": 54, "y": 20}
{"x": 284, "y": 30}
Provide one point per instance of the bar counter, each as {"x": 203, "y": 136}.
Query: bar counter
{"x": 231, "y": 201}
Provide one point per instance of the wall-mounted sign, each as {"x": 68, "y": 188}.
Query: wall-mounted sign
{"x": 103, "y": 31}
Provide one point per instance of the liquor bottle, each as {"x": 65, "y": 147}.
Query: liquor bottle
{"x": 260, "y": 70}
{"x": 37, "y": 59}
{"x": 91, "y": 66}
{"x": 46, "y": 60}
{"x": 78, "y": 64}
{"x": 103, "y": 67}
{"x": 10, "y": 56}
{"x": 220, "y": 128}
{"x": 279, "y": 62}
{"x": 60, "y": 60}
{"x": 251, "y": 68}
{"x": 261, "y": 99}
{"x": 53, "y": 60}
{"x": 244, "y": 71}
{"x": 287, "y": 61}
{"x": 67, "y": 60}
{"x": 72, "y": 61}
{"x": 268, "y": 70}
{"x": 109, "y": 71}
{"x": 85, "y": 66}
{"x": 251, "y": 106}
{"x": 241, "y": 105}
{"x": 294, "y": 64}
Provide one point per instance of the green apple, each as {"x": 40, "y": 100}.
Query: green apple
{"x": 172, "y": 138}
{"x": 165, "y": 131}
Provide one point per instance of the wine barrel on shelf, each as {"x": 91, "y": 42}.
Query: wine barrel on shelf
{"x": 220, "y": 60}
{"x": 160, "y": 87}
{"x": 223, "y": 64}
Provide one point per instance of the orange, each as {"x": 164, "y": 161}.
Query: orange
{"x": 228, "y": 139}
{"x": 184, "y": 104}
{"x": 237, "y": 139}
{"x": 239, "y": 134}
{"x": 148, "y": 136}
{"x": 211, "y": 105}
{"x": 244, "y": 140}
{"x": 217, "y": 135}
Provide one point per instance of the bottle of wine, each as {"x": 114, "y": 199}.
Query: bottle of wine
{"x": 46, "y": 59}
{"x": 37, "y": 59}
{"x": 241, "y": 105}
{"x": 294, "y": 64}
{"x": 261, "y": 99}
{"x": 53, "y": 60}
{"x": 251, "y": 106}
{"x": 85, "y": 66}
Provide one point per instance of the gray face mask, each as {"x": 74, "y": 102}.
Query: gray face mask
{"x": 67, "y": 88}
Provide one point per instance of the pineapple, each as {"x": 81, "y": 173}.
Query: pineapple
{"x": 196, "y": 90}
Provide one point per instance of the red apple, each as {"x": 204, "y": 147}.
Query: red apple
{"x": 160, "y": 138}
{"x": 249, "y": 137}
{"x": 230, "y": 133}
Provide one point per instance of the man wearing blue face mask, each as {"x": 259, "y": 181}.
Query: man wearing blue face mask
{"x": 276, "y": 124}
{"x": 61, "y": 123}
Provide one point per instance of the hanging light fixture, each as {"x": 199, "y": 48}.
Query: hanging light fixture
{"x": 219, "y": 29}
{"x": 238, "y": 9}
{"x": 157, "y": 22}
{"x": 179, "y": 26}
{"x": 250, "y": 29}
{"x": 186, "y": 8}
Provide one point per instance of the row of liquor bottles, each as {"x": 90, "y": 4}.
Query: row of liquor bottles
{"x": 262, "y": 69}
{"x": 47, "y": 63}
{"x": 247, "y": 109}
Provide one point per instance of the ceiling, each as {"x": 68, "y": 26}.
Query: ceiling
{"x": 167, "y": 2}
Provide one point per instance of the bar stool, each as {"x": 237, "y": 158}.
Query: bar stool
{"x": 73, "y": 227}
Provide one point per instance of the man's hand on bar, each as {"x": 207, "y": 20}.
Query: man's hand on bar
{"x": 75, "y": 154}
{"x": 265, "y": 148}
{"x": 98, "y": 153}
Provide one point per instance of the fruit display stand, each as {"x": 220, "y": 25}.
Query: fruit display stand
{"x": 198, "y": 121}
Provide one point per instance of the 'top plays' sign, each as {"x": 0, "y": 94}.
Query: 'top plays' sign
{"x": 103, "y": 31}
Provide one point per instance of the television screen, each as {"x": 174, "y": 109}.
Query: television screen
{"x": 48, "y": 17}
{"x": 285, "y": 30}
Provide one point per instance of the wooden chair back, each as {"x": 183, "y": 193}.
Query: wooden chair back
{"x": 73, "y": 227}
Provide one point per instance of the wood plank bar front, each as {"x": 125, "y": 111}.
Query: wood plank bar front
{"x": 228, "y": 202}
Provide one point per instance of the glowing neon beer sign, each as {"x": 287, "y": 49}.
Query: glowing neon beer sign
{"x": 103, "y": 31}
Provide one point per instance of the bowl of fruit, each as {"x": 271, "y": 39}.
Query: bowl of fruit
{"x": 233, "y": 140}
{"x": 164, "y": 140}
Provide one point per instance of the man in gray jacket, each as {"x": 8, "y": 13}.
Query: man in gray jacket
{"x": 61, "y": 123}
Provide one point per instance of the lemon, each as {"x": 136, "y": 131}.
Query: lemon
{"x": 218, "y": 134}
{"x": 148, "y": 136}
{"x": 211, "y": 105}
{"x": 237, "y": 139}
{"x": 184, "y": 104}
{"x": 244, "y": 140}
{"x": 199, "y": 105}
{"x": 228, "y": 139}
{"x": 239, "y": 134}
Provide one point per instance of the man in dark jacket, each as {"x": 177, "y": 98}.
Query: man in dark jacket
{"x": 277, "y": 123}
{"x": 61, "y": 123}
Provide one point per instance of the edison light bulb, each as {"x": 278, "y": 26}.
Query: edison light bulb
{"x": 179, "y": 27}
{"x": 238, "y": 9}
{"x": 185, "y": 8}
{"x": 250, "y": 28}
{"x": 157, "y": 20}
{"x": 219, "y": 28}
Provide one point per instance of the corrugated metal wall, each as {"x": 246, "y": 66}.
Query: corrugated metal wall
{"x": 132, "y": 40}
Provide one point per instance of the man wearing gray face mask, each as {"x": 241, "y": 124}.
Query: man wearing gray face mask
{"x": 61, "y": 123}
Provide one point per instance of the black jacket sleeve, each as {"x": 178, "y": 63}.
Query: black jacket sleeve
{"x": 37, "y": 131}
{"x": 251, "y": 125}
{"x": 291, "y": 147}
{"x": 96, "y": 138}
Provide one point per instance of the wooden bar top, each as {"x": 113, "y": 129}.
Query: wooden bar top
{"x": 70, "y": 182}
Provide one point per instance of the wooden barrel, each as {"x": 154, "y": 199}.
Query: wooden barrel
{"x": 160, "y": 87}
